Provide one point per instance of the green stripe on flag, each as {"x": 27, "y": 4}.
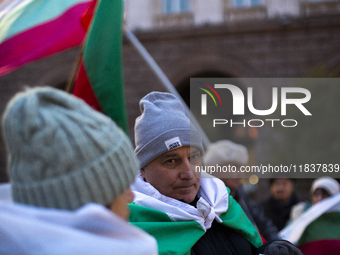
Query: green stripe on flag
{"x": 236, "y": 219}
{"x": 103, "y": 60}
{"x": 327, "y": 226}
{"x": 168, "y": 232}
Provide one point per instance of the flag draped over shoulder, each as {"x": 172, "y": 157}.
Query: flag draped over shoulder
{"x": 33, "y": 29}
{"x": 317, "y": 231}
{"x": 168, "y": 233}
{"x": 170, "y": 220}
{"x": 100, "y": 76}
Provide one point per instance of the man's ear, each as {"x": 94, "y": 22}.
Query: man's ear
{"x": 142, "y": 173}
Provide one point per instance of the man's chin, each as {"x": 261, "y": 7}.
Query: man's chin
{"x": 188, "y": 199}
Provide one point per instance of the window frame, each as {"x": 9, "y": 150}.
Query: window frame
{"x": 175, "y": 6}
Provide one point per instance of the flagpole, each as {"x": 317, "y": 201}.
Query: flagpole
{"x": 72, "y": 80}
{"x": 165, "y": 81}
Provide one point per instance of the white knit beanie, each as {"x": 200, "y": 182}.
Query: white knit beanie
{"x": 163, "y": 126}
{"x": 327, "y": 183}
{"x": 62, "y": 153}
{"x": 225, "y": 152}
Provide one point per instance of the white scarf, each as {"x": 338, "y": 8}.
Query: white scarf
{"x": 6, "y": 193}
{"x": 294, "y": 231}
{"x": 90, "y": 230}
{"x": 213, "y": 201}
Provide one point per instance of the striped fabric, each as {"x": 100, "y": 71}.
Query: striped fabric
{"x": 317, "y": 231}
{"x": 170, "y": 220}
{"x": 100, "y": 77}
{"x": 33, "y": 29}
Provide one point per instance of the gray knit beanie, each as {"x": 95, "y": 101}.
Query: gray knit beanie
{"x": 163, "y": 126}
{"x": 63, "y": 154}
{"x": 225, "y": 152}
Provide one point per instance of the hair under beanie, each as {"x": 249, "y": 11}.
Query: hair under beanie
{"x": 163, "y": 126}
{"x": 225, "y": 152}
{"x": 62, "y": 154}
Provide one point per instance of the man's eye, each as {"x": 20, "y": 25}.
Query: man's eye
{"x": 170, "y": 161}
{"x": 194, "y": 158}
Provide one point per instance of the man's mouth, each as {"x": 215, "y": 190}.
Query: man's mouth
{"x": 185, "y": 186}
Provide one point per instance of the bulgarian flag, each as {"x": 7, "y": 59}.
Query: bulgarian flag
{"x": 100, "y": 77}
{"x": 317, "y": 231}
{"x": 177, "y": 226}
{"x": 180, "y": 236}
{"x": 34, "y": 29}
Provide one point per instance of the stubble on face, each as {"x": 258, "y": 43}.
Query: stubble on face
{"x": 174, "y": 174}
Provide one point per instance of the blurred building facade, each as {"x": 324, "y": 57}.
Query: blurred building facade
{"x": 215, "y": 38}
{"x": 234, "y": 38}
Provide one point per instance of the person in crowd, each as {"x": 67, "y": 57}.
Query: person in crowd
{"x": 188, "y": 211}
{"x": 314, "y": 226}
{"x": 279, "y": 205}
{"x": 70, "y": 169}
{"x": 321, "y": 189}
{"x": 225, "y": 153}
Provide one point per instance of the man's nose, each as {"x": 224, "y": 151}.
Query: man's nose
{"x": 186, "y": 172}
{"x": 318, "y": 198}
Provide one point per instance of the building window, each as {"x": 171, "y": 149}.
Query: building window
{"x": 247, "y": 3}
{"x": 175, "y": 6}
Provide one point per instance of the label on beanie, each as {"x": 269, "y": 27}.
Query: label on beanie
{"x": 173, "y": 143}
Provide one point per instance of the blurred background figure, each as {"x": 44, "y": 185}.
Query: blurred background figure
{"x": 225, "y": 153}
{"x": 281, "y": 202}
{"x": 321, "y": 189}
{"x": 315, "y": 226}
{"x": 324, "y": 187}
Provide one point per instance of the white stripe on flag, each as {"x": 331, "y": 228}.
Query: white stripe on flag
{"x": 294, "y": 231}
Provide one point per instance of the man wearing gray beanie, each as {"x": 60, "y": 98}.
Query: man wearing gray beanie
{"x": 64, "y": 155}
{"x": 187, "y": 211}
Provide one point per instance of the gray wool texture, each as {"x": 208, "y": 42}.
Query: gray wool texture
{"x": 62, "y": 153}
{"x": 162, "y": 118}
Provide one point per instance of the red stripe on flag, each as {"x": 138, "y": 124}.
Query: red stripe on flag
{"x": 41, "y": 41}
{"x": 263, "y": 239}
{"x": 324, "y": 247}
{"x": 88, "y": 15}
{"x": 83, "y": 89}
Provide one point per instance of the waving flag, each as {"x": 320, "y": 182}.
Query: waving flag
{"x": 317, "y": 231}
{"x": 100, "y": 77}
{"x": 33, "y": 29}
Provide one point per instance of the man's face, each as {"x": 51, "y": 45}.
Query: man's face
{"x": 173, "y": 173}
{"x": 319, "y": 195}
{"x": 282, "y": 189}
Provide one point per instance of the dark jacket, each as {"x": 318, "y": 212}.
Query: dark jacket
{"x": 222, "y": 240}
{"x": 279, "y": 213}
{"x": 256, "y": 215}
